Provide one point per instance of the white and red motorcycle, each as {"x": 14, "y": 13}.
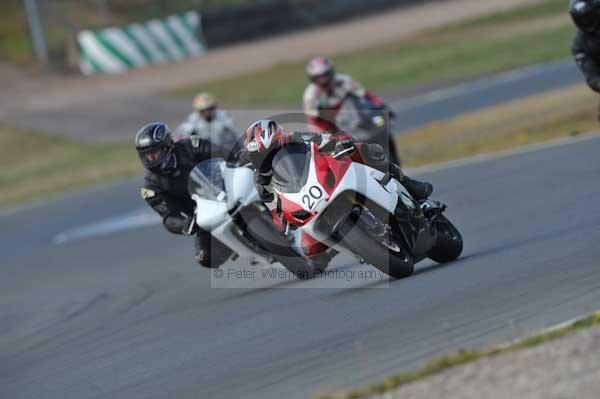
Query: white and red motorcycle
{"x": 228, "y": 205}
{"x": 350, "y": 205}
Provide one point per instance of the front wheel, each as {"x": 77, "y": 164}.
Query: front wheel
{"x": 449, "y": 244}
{"x": 263, "y": 232}
{"x": 386, "y": 255}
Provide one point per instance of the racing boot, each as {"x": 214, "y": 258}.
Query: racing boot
{"x": 374, "y": 155}
{"x": 419, "y": 190}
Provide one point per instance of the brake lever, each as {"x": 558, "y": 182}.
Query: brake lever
{"x": 190, "y": 228}
{"x": 344, "y": 152}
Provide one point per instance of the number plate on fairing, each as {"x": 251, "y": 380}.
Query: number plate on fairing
{"x": 312, "y": 193}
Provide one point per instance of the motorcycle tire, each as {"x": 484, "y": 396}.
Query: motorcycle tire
{"x": 265, "y": 235}
{"x": 449, "y": 244}
{"x": 356, "y": 236}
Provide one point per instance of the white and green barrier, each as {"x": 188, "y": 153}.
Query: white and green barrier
{"x": 116, "y": 50}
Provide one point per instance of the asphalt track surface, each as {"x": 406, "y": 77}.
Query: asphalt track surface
{"x": 485, "y": 92}
{"x": 415, "y": 109}
{"x": 129, "y": 315}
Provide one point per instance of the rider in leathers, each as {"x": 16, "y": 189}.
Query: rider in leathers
{"x": 209, "y": 122}
{"x": 586, "y": 45}
{"x": 327, "y": 90}
{"x": 326, "y": 93}
{"x": 265, "y": 137}
{"x": 168, "y": 165}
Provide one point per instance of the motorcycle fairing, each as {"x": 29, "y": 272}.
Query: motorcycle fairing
{"x": 349, "y": 177}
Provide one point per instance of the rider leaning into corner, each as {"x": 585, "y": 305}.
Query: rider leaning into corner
{"x": 168, "y": 164}
{"x": 586, "y": 45}
{"x": 209, "y": 122}
{"x": 326, "y": 92}
{"x": 265, "y": 137}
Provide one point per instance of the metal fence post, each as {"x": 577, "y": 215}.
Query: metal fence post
{"x": 37, "y": 32}
{"x": 103, "y": 7}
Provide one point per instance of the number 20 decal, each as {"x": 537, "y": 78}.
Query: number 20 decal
{"x": 310, "y": 199}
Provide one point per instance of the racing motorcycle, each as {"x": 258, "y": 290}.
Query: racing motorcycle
{"x": 349, "y": 205}
{"x": 368, "y": 123}
{"x": 228, "y": 205}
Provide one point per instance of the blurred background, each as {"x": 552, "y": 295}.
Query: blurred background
{"x": 59, "y": 21}
{"x": 97, "y": 300}
{"x": 81, "y": 74}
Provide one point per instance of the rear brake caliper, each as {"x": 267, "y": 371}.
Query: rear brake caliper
{"x": 431, "y": 209}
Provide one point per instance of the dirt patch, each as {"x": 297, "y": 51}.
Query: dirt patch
{"x": 566, "y": 368}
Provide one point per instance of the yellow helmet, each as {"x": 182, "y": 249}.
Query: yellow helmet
{"x": 204, "y": 101}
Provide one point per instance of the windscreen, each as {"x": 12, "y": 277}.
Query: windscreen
{"x": 206, "y": 180}
{"x": 290, "y": 168}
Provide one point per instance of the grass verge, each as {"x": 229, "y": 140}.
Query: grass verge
{"x": 500, "y": 41}
{"x": 62, "y": 18}
{"x": 466, "y": 356}
{"x": 34, "y": 165}
{"x": 531, "y": 120}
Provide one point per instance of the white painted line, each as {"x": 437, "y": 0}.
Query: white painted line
{"x": 133, "y": 220}
{"x": 503, "y": 154}
{"x": 144, "y": 217}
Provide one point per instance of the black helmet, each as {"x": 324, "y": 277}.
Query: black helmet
{"x": 585, "y": 14}
{"x": 154, "y": 145}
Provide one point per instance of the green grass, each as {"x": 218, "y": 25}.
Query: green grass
{"x": 62, "y": 18}
{"x": 524, "y": 13}
{"x": 14, "y": 39}
{"x": 34, "y": 165}
{"x": 526, "y": 121}
{"x": 463, "y": 357}
{"x": 484, "y": 45}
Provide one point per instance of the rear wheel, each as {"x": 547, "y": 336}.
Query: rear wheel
{"x": 386, "y": 254}
{"x": 449, "y": 244}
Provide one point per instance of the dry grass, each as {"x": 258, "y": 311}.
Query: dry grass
{"x": 33, "y": 165}
{"x": 465, "y": 356}
{"x": 526, "y": 35}
{"x": 560, "y": 113}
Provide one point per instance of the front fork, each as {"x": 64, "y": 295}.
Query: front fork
{"x": 416, "y": 226}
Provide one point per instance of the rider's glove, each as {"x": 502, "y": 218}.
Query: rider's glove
{"x": 180, "y": 223}
{"x": 189, "y": 225}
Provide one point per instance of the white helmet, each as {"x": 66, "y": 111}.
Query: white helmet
{"x": 318, "y": 67}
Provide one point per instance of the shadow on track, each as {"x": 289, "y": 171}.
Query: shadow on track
{"x": 418, "y": 272}
{"x": 249, "y": 292}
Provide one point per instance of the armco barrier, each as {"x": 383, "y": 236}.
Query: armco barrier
{"x": 271, "y": 17}
{"x": 118, "y": 49}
